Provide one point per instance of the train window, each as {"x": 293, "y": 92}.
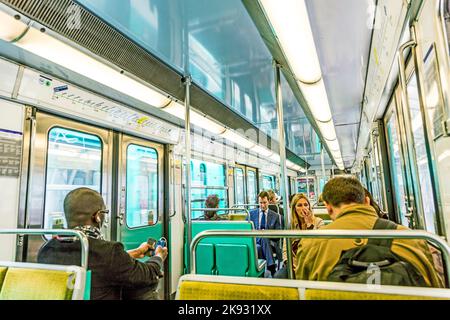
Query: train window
{"x": 397, "y": 176}
{"x": 252, "y": 186}
{"x": 307, "y": 186}
{"x": 207, "y": 178}
{"x": 268, "y": 182}
{"x": 426, "y": 189}
{"x": 142, "y": 186}
{"x": 239, "y": 186}
{"x": 74, "y": 159}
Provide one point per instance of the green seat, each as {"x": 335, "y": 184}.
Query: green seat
{"x": 205, "y": 258}
{"x": 232, "y": 259}
{"x": 37, "y": 284}
{"x": 255, "y": 267}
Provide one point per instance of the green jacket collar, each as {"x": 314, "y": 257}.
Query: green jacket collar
{"x": 359, "y": 209}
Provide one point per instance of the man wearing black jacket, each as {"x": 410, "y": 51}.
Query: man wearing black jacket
{"x": 116, "y": 274}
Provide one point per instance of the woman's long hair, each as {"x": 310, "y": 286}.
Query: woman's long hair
{"x": 297, "y": 222}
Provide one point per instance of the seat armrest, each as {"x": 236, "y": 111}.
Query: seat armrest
{"x": 261, "y": 264}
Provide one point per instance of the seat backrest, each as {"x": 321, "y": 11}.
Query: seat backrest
{"x": 242, "y": 244}
{"x": 232, "y": 259}
{"x": 30, "y": 281}
{"x": 206, "y": 257}
{"x": 195, "y": 287}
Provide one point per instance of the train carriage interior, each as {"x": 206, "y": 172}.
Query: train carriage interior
{"x": 158, "y": 106}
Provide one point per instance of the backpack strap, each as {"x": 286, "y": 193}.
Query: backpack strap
{"x": 383, "y": 224}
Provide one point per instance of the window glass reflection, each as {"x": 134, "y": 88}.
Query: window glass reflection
{"x": 142, "y": 186}
{"x": 74, "y": 160}
{"x": 251, "y": 186}
{"x": 239, "y": 186}
{"x": 426, "y": 189}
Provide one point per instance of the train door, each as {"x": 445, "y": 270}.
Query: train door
{"x": 64, "y": 155}
{"x": 252, "y": 185}
{"x": 239, "y": 185}
{"x": 140, "y": 196}
{"x": 404, "y": 198}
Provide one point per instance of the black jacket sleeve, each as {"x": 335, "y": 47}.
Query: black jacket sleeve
{"x": 129, "y": 272}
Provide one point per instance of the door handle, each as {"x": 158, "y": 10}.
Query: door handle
{"x": 120, "y": 218}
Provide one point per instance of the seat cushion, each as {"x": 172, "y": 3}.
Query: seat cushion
{"x": 37, "y": 284}
{"x": 315, "y": 294}
{"x": 199, "y": 290}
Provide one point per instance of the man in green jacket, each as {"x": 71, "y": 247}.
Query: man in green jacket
{"x": 349, "y": 209}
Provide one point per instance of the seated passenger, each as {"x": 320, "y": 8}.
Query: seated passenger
{"x": 266, "y": 219}
{"x": 375, "y": 205}
{"x": 115, "y": 273}
{"x": 302, "y": 218}
{"x": 349, "y": 209}
{"x": 212, "y": 202}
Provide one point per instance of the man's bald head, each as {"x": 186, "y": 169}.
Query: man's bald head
{"x": 81, "y": 206}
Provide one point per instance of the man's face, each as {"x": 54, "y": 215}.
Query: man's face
{"x": 263, "y": 203}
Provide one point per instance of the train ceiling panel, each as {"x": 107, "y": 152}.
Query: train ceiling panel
{"x": 8, "y": 77}
{"x": 390, "y": 19}
{"x": 342, "y": 33}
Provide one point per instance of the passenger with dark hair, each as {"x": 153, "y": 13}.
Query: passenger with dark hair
{"x": 375, "y": 205}
{"x": 265, "y": 219}
{"x": 116, "y": 274}
{"x": 212, "y": 202}
{"x": 349, "y": 208}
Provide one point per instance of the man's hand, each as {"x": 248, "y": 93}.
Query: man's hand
{"x": 161, "y": 252}
{"x": 140, "y": 251}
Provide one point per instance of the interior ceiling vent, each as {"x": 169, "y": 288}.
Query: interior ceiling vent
{"x": 101, "y": 39}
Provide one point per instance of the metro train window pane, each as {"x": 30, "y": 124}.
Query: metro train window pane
{"x": 268, "y": 182}
{"x": 252, "y": 186}
{"x": 396, "y": 165}
{"x": 74, "y": 160}
{"x": 239, "y": 186}
{"x": 142, "y": 186}
{"x": 207, "y": 178}
{"x": 426, "y": 189}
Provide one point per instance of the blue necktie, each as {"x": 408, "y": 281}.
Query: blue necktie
{"x": 263, "y": 221}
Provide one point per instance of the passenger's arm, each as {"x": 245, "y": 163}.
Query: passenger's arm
{"x": 126, "y": 271}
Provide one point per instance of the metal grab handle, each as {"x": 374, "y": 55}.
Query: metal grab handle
{"x": 329, "y": 234}
{"x": 220, "y": 209}
{"x": 79, "y": 234}
{"x": 245, "y": 205}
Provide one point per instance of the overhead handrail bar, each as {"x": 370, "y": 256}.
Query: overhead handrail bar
{"x": 327, "y": 234}
{"x": 65, "y": 232}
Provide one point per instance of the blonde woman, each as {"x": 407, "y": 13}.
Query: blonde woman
{"x": 302, "y": 218}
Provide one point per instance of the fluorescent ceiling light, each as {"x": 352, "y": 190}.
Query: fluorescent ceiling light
{"x": 238, "y": 139}
{"x": 52, "y": 49}
{"x": 327, "y": 130}
{"x": 289, "y": 19}
{"x": 316, "y": 96}
{"x": 333, "y": 145}
{"x": 261, "y": 151}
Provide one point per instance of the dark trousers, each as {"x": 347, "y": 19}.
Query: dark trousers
{"x": 265, "y": 250}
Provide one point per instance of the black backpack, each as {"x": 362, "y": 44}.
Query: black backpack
{"x": 375, "y": 263}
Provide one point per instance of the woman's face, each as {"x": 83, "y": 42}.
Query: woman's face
{"x": 301, "y": 205}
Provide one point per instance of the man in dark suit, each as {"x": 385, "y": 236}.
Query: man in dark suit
{"x": 265, "y": 219}
{"x": 116, "y": 274}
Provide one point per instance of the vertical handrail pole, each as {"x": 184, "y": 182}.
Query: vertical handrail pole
{"x": 187, "y": 126}
{"x": 282, "y": 145}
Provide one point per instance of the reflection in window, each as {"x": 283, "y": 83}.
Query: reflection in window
{"x": 73, "y": 160}
{"x": 397, "y": 175}
{"x": 239, "y": 186}
{"x": 142, "y": 186}
{"x": 207, "y": 178}
{"x": 268, "y": 182}
{"x": 252, "y": 186}
{"x": 426, "y": 189}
